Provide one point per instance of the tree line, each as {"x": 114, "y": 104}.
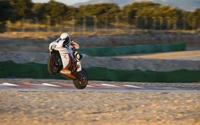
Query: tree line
{"x": 142, "y": 14}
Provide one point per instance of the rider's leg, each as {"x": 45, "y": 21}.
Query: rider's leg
{"x": 79, "y": 67}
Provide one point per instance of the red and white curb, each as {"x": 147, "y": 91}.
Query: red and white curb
{"x": 60, "y": 85}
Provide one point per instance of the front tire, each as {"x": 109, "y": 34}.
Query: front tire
{"x": 53, "y": 65}
{"x": 81, "y": 83}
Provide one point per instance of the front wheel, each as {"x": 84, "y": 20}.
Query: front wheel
{"x": 81, "y": 83}
{"x": 53, "y": 63}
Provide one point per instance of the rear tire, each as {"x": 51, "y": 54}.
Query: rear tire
{"x": 80, "y": 83}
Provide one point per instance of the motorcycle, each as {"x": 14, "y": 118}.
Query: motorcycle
{"x": 61, "y": 61}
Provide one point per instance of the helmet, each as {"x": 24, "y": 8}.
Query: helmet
{"x": 65, "y": 36}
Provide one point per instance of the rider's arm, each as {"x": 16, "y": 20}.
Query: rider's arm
{"x": 58, "y": 40}
{"x": 74, "y": 44}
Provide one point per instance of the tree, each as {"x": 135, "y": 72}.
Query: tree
{"x": 39, "y": 12}
{"x": 22, "y": 8}
{"x": 72, "y": 12}
{"x": 57, "y": 10}
{"x": 103, "y": 12}
{"x": 193, "y": 18}
{"x": 129, "y": 12}
{"x": 197, "y": 16}
{"x": 6, "y": 11}
{"x": 158, "y": 13}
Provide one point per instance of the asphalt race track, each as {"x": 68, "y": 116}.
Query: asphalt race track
{"x": 67, "y": 85}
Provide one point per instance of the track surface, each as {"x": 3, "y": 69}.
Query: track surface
{"x": 63, "y": 85}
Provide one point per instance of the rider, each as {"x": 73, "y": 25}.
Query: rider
{"x": 71, "y": 44}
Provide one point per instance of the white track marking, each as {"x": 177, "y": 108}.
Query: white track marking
{"x": 51, "y": 85}
{"x": 9, "y": 84}
{"x": 132, "y": 86}
{"x": 90, "y": 86}
{"x": 109, "y": 85}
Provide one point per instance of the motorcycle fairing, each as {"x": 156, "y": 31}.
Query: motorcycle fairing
{"x": 65, "y": 54}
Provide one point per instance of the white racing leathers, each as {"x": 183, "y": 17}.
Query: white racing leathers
{"x": 69, "y": 48}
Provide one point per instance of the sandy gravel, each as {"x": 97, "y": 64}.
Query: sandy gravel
{"x": 181, "y": 55}
{"x": 39, "y": 42}
{"x": 98, "y": 108}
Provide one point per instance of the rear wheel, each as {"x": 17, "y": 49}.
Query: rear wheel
{"x": 81, "y": 83}
{"x": 53, "y": 63}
